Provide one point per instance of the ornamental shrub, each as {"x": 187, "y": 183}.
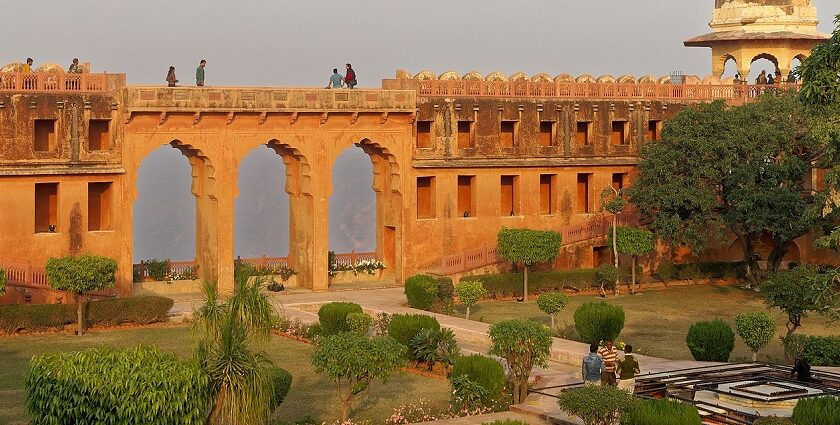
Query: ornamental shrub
{"x": 333, "y": 316}
{"x": 421, "y": 291}
{"x": 35, "y": 317}
{"x": 359, "y": 322}
{"x": 552, "y": 303}
{"x": 817, "y": 411}
{"x": 139, "y": 385}
{"x": 403, "y": 327}
{"x": 109, "y": 312}
{"x": 596, "y": 405}
{"x": 281, "y": 382}
{"x": 710, "y": 341}
{"x": 80, "y": 275}
{"x": 817, "y": 350}
{"x": 469, "y": 293}
{"x": 756, "y": 329}
{"x": 446, "y": 293}
{"x": 666, "y": 271}
{"x": 523, "y": 344}
{"x": 509, "y": 285}
{"x": 485, "y": 372}
{"x": 607, "y": 275}
{"x": 661, "y": 412}
{"x": 432, "y": 346}
{"x": 596, "y": 322}
{"x": 157, "y": 269}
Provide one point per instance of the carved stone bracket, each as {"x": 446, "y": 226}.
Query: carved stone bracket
{"x": 324, "y": 116}
{"x": 127, "y": 118}
{"x": 383, "y": 118}
{"x": 354, "y": 117}
{"x": 230, "y": 116}
{"x": 196, "y": 118}
{"x": 263, "y": 117}
{"x": 412, "y": 118}
{"x": 293, "y": 118}
{"x": 162, "y": 118}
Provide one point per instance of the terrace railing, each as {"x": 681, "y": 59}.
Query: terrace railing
{"x": 52, "y": 82}
{"x": 24, "y": 274}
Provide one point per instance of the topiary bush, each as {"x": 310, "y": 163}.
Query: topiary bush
{"x": 404, "y": 327}
{"x": 421, "y": 291}
{"x": 596, "y": 322}
{"x": 469, "y": 293}
{"x": 552, "y": 303}
{"x": 333, "y": 316}
{"x": 596, "y": 405}
{"x": 661, "y": 412}
{"x": 282, "y": 382}
{"x": 359, "y": 322}
{"x": 710, "y": 341}
{"x": 139, "y": 385}
{"x": 35, "y": 317}
{"x": 817, "y": 350}
{"x": 607, "y": 275}
{"x": 80, "y": 275}
{"x": 446, "y": 293}
{"x": 523, "y": 344}
{"x": 483, "y": 371}
{"x": 509, "y": 285}
{"x": 817, "y": 411}
{"x": 756, "y": 329}
{"x": 666, "y": 271}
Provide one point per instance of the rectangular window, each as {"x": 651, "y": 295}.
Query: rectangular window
{"x": 425, "y": 197}
{"x": 619, "y": 132}
{"x": 618, "y": 180}
{"x": 583, "y": 201}
{"x": 424, "y": 134}
{"x": 46, "y": 207}
{"x": 546, "y": 133}
{"x": 465, "y": 135}
{"x": 653, "y": 130}
{"x": 466, "y": 196}
{"x": 44, "y": 135}
{"x": 582, "y": 134}
{"x": 99, "y": 135}
{"x": 509, "y": 202}
{"x": 100, "y": 203}
{"x": 508, "y": 134}
{"x": 547, "y": 206}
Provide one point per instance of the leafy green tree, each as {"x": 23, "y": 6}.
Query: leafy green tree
{"x": 596, "y": 405}
{"x": 353, "y": 362}
{"x": 756, "y": 329}
{"x": 633, "y": 241}
{"x": 469, "y": 293}
{"x": 614, "y": 201}
{"x": 523, "y": 344}
{"x": 801, "y": 291}
{"x": 528, "y": 247}
{"x": 732, "y": 170}
{"x": 80, "y": 275}
{"x": 552, "y": 303}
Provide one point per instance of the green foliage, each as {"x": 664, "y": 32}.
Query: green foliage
{"x": 421, "y": 291}
{"x": 633, "y": 240}
{"x": 81, "y": 274}
{"x": 606, "y": 275}
{"x": 446, "y": 292}
{"x": 333, "y": 316}
{"x": 358, "y": 322}
{"x": 528, "y": 246}
{"x": 109, "y": 312}
{"x": 523, "y": 344}
{"x": 757, "y": 329}
{"x": 552, "y": 302}
{"x": 820, "y": 83}
{"x": 661, "y": 412}
{"x": 710, "y": 341}
{"x": 596, "y": 405}
{"x": 468, "y": 395}
{"x": 479, "y": 371}
{"x": 507, "y": 285}
{"x": 596, "y": 322}
{"x": 666, "y": 271}
{"x": 800, "y": 291}
{"x": 3, "y": 280}
{"x": 773, "y": 420}
{"x": 138, "y": 385}
{"x": 353, "y": 362}
{"x": 281, "y": 382}
{"x": 469, "y": 293}
{"x": 157, "y": 269}
{"x": 817, "y": 411}
{"x": 817, "y": 350}
{"x": 432, "y": 346}
{"x": 403, "y": 327}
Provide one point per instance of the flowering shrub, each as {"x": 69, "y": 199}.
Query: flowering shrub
{"x": 361, "y": 266}
{"x": 293, "y": 327}
{"x": 423, "y": 412}
{"x": 188, "y": 274}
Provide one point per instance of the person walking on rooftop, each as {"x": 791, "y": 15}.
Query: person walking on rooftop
{"x": 336, "y": 80}
{"x": 610, "y": 356}
{"x": 170, "y": 77}
{"x": 27, "y": 67}
{"x": 592, "y": 367}
{"x": 199, "y": 73}
{"x": 628, "y": 368}
{"x": 75, "y": 68}
{"x": 350, "y": 77}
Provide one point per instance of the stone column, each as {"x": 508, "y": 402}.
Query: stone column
{"x": 321, "y": 185}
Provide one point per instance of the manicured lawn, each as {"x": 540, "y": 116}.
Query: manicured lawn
{"x": 657, "y": 321}
{"x": 310, "y": 395}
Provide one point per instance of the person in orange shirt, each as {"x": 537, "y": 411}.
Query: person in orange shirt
{"x": 27, "y": 67}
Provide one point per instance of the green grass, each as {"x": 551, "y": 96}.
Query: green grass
{"x": 310, "y": 394}
{"x": 657, "y": 321}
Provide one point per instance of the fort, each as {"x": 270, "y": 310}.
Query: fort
{"x": 455, "y": 157}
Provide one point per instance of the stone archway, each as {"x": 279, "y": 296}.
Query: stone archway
{"x": 774, "y": 61}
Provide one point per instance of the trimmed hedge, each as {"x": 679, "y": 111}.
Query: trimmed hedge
{"x": 110, "y": 312}
{"x": 706, "y": 270}
{"x": 139, "y": 385}
{"x": 421, "y": 291}
{"x": 333, "y": 317}
{"x": 661, "y": 412}
{"x": 817, "y": 411}
{"x": 596, "y": 322}
{"x": 817, "y": 350}
{"x": 508, "y": 285}
{"x": 484, "y": 371}
{"x": 281, "y": 381}
{"x": 773, "y": 420}
{"x": 403, "y": 327}
{"x": 710, "y": 341}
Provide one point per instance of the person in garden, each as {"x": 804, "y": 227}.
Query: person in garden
{"x": 609, "y": 354}
{"x": 199, "y": 73}
{"x": 592, "y": 367}
{"x": 170, "y": 77}
{"x": 628, "y": 368}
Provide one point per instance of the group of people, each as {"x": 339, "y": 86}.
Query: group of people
{"x": 172, "y": 80}
{"x": 75, "y": 67}
{"x": 338, "y": 81}
{"x": 603, "y": 367}
{"x": 765, "y": 78}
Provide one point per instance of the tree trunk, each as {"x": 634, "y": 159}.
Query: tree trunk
{"x": 523, "y": 390}
{"x": 80, "y": 321}
{"x": 633, "y": 275}
{"x": 778, "y": 253}
{"x": 749, "y": 257}
{"x": 525, "y": 288}
{"x": 552, "y": 322}
{"x": 615, "y": 250}
{"x": 468, "y": 313}
{"x": 755, "y": 356}
{"x": 516, "y": 391}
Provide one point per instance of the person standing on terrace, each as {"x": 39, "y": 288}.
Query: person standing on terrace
{"x": 350, "y": 77}
{"x": 75, "y": 68}
{"x": 199, "y": 73}
{"x": 170, "y": 77}
{"x": 27, "y": 67}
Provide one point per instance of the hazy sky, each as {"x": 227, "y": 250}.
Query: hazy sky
{"x": 297, "y": 43}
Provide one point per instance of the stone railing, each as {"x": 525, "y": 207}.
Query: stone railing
{"x": 24, "y": 274}
{"x": 52, "y": 82}
{"x": 350, "y": 259}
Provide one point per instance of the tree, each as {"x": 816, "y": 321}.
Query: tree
{"x": 528, "y": 247}
{"x": 80, "y": 275}
{"x": 739, "y": 170}
{"x": 469, "y": 293}
{"x": 756, "y": 329}
{"x": 523, "y": 344}
{"x": 552, "y": 303}
{"x": 353, "y": 362}
{"x": 801, "y": 291}
{"x": 633, "y": 241}
{"x": 613, "y": 201}
{"x": 596, "y": 404}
